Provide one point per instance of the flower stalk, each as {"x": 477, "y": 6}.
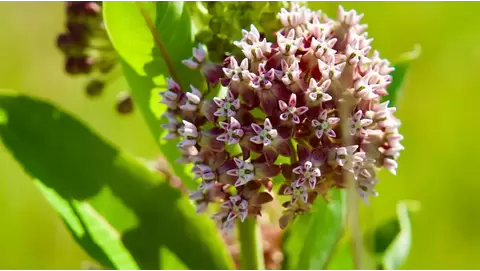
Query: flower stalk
{"x": 251, "y": 247}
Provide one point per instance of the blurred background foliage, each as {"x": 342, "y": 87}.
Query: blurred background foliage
{"x": 438, "y": 110}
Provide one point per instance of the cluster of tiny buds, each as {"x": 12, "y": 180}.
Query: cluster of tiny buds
{"x": 305, "y": 109}
{"x": 84, "y": 39}
{"x": 88, "y": 51}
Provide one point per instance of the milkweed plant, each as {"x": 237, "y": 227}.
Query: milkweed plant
{"x": 272, "y": 121}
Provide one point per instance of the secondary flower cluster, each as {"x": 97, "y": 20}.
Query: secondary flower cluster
{"x": 84, "y": 23}
{"x": 225, "y": 20}
{"x": 88, "y": 51}
{"x": 311, "y": 97}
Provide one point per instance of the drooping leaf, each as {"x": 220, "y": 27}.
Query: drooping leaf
{"x": 311, "y": 238}
{"x": 399, "y": 75}
{"x": 392, "y": 240}
{"x": 151, "y": 39}
{"x": 81, "y": 168}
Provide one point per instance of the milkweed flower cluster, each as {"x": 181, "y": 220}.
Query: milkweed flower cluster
{"x": 312, "y": 96}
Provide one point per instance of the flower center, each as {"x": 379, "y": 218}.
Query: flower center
{"x": 358, "y": 125}
{"x": 243, "y": 172}
{"x": 296, "y": 192}
{"x": 236, "y": 209}
{"x": 324, "y": 125}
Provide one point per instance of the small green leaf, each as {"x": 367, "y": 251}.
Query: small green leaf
{"x": 78, "y": 168}
{"x": 152, "y": 38}
{"x": 399, "y": 75}
{"x": 392, "y": 240}
{"x": 310, "y": 240}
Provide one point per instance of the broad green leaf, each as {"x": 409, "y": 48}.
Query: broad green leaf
{"x": 152, "y": 38}
{"x": 392, "y": 240}
{"x": 399, "y": 75}
{"x": 90, "y": 230}
{"x": 310, "y": 240}
{"x": 81, "y": 168}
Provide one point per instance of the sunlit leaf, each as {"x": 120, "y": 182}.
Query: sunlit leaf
{"x": 392, "y": 240}
{"x": 90, "y": 230}
{"x": 151, "y": 39}
{"x": 80, "y": 169}
{"x": 310, "y": 240}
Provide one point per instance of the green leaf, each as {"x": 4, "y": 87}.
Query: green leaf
{"x": 399, "y": 75}
{"x": 82, "y": 169}
{"x": 151, "y": 39}
{"x": 310, "y": 240}
{"x": 90, "y": 230}
{"x": 392, "y": 240}
{"x": 342, "y": 258}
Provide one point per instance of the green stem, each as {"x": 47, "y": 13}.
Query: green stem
{"x": 251, "y": 248}
{"x": 294, "y": 157}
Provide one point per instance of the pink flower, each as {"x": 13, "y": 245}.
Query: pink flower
{"x": 233, "y": 132}
{"x": 236, "y": 72}
{"x": 235, "y": 207}
{"x": 297, "y": 192}
{"x": 324, "y": 124}
{"x": 291, "y": 74}
{"x": 290, "y": 110}
{"x": 347, "y": 158}
{"x": 264, "y": 78}
{"x": 264, "y": 136}
{"x": 308, "y": 173}
{"x": 323, "y": 47}
{"x": 330, "y": 69}
{"x": 289, "y": 44}
{"x": 245, "y": 172}
{"x": 356, "y": 53}
{"x": 357, "y": 124}
{"x": 227, "y": 107}
{"x": 318, "y": 93}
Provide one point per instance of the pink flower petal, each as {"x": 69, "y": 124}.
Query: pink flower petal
{"x": 301, "y": 110}
{"x": 256, "y": 128}
{"x": 256, "y": 139}
{"x": 292, "y": 102}
{"x": 232, "y": 172}
{"x": 284, "y": 116}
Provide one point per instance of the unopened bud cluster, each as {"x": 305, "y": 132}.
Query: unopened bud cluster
{"x": 85, "y": 39}
{"x": 312, "y": 96}
{"x": 225, "y": 20}
{"x": 87, "y": 49}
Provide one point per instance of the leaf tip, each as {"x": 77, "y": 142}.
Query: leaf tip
{"x": 412, "y": 55}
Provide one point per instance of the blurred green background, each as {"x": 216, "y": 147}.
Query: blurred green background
{"x": 438, "y": 110}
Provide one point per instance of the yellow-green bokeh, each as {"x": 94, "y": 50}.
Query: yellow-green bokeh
{"x": 439, "y": 111}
